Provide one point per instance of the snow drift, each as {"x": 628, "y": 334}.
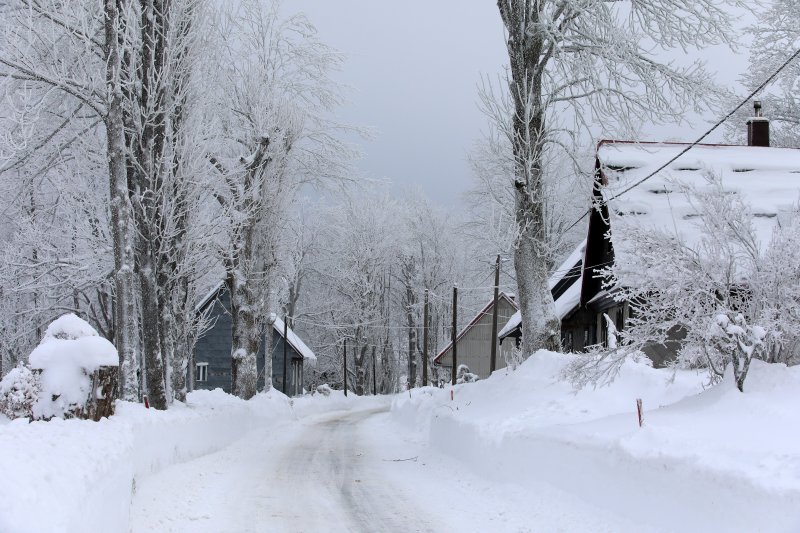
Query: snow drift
{"x": 714, "y": 459}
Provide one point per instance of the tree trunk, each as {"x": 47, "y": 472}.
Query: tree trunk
{"x": 246, "y": 336}
{"x": 122, "y": 229}
{"x": 532, "y": 256}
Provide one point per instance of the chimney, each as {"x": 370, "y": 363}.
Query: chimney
{"x": 757, "y": 127}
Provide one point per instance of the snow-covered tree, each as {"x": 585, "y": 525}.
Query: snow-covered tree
{"x": 776, "y": 35}
{"x": 721, "y": 302}
{"x": 273, "y": 96}
{"x": 574, "y": 64}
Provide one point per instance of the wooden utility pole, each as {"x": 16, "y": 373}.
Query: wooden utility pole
{"x": 344, "y": 367}
{"x": 455, "y": 322}
{"x": 425, "y": 342}
{"x": 374, "y": 370}
{"x": 285, "y": 342}
{"x": 493, "y": 358}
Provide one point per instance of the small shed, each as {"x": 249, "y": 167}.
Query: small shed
{"x": 212, "y": 352}
{"x": 474, "y": 342}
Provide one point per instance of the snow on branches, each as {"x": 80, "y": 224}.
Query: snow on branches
{"x": 719, "y": 303}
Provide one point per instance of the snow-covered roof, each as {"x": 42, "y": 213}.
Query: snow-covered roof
{"x": 294, "y": 341}
{"x": 768, "y": 180}
{"x": 566, "y": 301}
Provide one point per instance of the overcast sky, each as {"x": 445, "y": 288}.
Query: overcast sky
{"x": 414, "y": 67}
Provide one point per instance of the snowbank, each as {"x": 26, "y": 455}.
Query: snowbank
{"x": 78, "y": 475}
{"x": 705, "y": 460}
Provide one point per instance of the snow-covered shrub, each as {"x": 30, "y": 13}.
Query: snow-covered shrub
{"x": 324, "y": 389}
{"x": 463, "y": 375}
{"x": 70, "y": 353}
{"x": 19, "y": 390}
{"x": 722, "y": 301}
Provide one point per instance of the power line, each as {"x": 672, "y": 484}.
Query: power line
{"x": 699, "y": 139}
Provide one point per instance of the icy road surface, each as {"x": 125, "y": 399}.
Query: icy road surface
{"x": 348, "y": 471}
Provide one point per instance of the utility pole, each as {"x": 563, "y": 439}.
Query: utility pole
{"x": 344, "y": 365}
{"x": 493, "y": 358}
{"x": 374, "y": 370}
{"x": 425, "y": 343}
{"x": 455, "y": 321}
{"x": 285, "y": 342}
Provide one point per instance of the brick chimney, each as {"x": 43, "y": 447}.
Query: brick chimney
{"x": 757, "y": 127}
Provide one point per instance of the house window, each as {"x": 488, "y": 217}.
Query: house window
{"x": 201, "y": 372}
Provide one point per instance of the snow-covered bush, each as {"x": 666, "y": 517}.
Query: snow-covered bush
{"x": 463, "y": 375}
{"x": 722, "y": 301}
{"x": 19, "y": 391}
{"x": 324, "y": 389}
{"x": 70, "y": 353}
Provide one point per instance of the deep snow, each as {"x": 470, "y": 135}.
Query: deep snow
{"x": 705, "y": 460}
{"x": 520, "y": 451}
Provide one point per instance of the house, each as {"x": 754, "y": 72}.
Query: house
{"x": 473, "y": 343}
{"x": 565, "y": 286}
{"x": 632, "y": 190}
{"x": 212, "y": 352}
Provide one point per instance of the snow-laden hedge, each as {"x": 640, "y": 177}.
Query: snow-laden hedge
{"x": 78, "y": 475}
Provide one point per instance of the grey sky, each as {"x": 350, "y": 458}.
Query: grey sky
{"x": 415, "y": 66}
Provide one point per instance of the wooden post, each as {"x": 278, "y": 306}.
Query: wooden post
{"x": 105, "y": 381}
{"x": 374, "y": 370}
{"x": 344, "y": 367}
{"x": 454, "y": 333}
{"x": 493, "y": 357}
{"x": 640, "y": 411}
{"x": 425, "y": 342}
{"x": 285, "y": 342}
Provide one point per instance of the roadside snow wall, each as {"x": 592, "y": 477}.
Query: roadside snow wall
{"x": 79, "y": 476}
{"x": 714, "y": 460}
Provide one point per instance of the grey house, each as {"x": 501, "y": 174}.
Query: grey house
{"x": 212, "y": 353}
{"x": 474, "y": 342}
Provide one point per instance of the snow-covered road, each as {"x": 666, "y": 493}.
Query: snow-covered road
{"x": 348, "y": 471}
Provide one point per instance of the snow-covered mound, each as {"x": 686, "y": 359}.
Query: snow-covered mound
{"x": 70, "y": 351}
{"x": 706, "y": 458}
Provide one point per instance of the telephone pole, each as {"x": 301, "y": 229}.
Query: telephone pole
{"x": 374, "y": 370}
{"x": 493, "y": 358}
{"x": 285, "y": 342}
{"x": 425, "y": 342}
{"x": 344, "y": 366}
{"x": 455, "y": 321}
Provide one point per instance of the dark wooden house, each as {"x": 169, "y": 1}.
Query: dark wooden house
{"x": 565, "y": 286}
{"x": 631, "y": 190}
{"x": 212, "y": 353}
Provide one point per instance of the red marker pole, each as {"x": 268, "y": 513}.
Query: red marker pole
{"x": 146, "y": 402}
